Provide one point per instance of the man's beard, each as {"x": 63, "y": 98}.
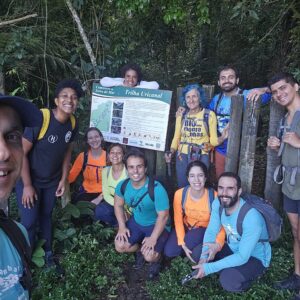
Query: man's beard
{"x": 229, "y": 88}
{"x": 233, "y": 201}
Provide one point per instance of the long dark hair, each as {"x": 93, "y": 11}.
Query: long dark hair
{"x": 100, "y": 134}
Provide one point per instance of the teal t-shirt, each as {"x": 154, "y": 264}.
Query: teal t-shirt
{"x": 145, "y": 213}
{"x": 11, "y": 269}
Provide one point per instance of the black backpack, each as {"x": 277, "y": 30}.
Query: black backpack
{"x": 272, "y": 218}
{"x": 18, "y": 239}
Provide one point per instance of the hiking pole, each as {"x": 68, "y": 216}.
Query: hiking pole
{"x": 189, "y": 277}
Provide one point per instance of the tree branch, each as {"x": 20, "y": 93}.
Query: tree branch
{"x": 5, "y": 23}
{"x": 83, "y": 35}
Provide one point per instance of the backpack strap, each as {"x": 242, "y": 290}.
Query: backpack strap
{"x": 46, "y": 121}
{"x": 218, "y": 102}
{"x": 184, "y": 197}
{"x": 108, "y": 170}
{"x": 206, "y": 120}
{"x": 241, "y": 216}
{"x": 18, "y": 239}
{"x": 211, "y": 197}
{"x": 73, "y": 121}
{"x": 124, "y": 185}
{"x": 85, "y": 160}
{"x": 151, "y": 185}
{"x": 280, "y": 133}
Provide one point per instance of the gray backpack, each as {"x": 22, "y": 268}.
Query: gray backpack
{"x": 272, "y": 218}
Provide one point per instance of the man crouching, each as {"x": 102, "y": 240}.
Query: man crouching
{"x": 145, "y": 232}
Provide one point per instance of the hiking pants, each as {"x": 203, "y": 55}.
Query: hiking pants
{"x": 105, "y": 213}
{"x": 239, "y": 278}
{"x": 40, "y": 215}
{"x": 193, "y": 237}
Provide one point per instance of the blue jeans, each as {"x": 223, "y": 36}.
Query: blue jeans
{"x": 181, "y": 166}
{"x": 40, "y": 215}
{"x": 193, "y": 237}
{"x": 105, "y": 212}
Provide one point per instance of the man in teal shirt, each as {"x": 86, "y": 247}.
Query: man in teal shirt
{"x": 15, "y": 114}
{"x": 244, "y": 257}
{"x": 146, "y": 231}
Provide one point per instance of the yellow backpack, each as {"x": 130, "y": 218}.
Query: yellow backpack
{"x": 46, "y": 121}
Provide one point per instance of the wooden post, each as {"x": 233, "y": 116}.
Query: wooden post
{"x": 151, "y": 158}
{"x": 178, "y": 95}
{"x": 273, "y": 190}
{"x": 2, "y": 83}
{"x": 248, "y": 143}
{"x": 234, "y": 138}
{"x": 160, "y": 164}
{"x": 209, "y": 91}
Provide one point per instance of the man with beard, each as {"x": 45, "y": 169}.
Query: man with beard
{"x": 228, "y": 81}
{"x": 245, "y": 257}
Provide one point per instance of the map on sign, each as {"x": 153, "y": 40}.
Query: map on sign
{"x": 100, "y": 117}
{"x": 131, "y": 116}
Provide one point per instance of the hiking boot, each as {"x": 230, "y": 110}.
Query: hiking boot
{"x": 49, "y": 259}
{"x": 154, "y": 269}
{"x": 52, "y": 262}
{"x": 139, "y": 260}
{"x": 290, "y": 283}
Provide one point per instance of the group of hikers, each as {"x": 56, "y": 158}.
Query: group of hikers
{"x": 219, "y": 231}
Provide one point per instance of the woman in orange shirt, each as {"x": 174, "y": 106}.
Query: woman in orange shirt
{"x": 192, "y": 209}
{"x": 91, "y": 168}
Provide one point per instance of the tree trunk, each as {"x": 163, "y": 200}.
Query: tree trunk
{"x": 272, "y": 189}
{"x": 84, "y": 37}
{"x": 248, "y": 144}
{"x": 234, "y": 138}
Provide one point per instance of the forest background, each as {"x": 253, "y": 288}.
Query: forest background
{"x": 176, "y": 42}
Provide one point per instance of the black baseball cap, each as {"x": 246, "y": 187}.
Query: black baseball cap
{"x": 29, "y": 114}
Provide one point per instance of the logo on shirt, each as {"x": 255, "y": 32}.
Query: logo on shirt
{"x": 52, "y": 138}
{"x": 68, "y": 136}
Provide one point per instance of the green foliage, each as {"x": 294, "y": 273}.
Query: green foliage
{"x": 39, "y": 254}
{"x": 169, "y": 285}
{"x": 92, "y": 269}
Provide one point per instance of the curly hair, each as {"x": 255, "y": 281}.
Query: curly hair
{"x": 133, "y": 67}
{"x": 199, "y": 89}
{"x": 69, "y": 83}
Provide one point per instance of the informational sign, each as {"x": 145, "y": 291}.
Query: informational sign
{"x": 131, "y": 116}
